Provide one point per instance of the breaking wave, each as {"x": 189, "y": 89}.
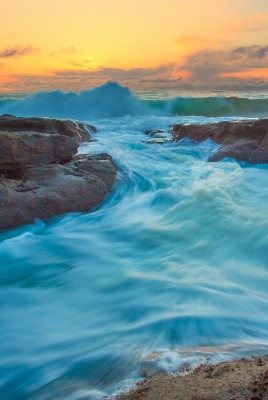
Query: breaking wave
{"x": 171, "y": 270}
{"x": 112, "y": 100}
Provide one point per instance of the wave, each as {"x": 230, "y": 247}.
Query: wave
{"x": 112, "y": 100}
{"x": 213, "y": 106}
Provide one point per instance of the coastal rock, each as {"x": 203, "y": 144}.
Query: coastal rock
{"x": 245, "y": 379}
{"x": 75, "y": 130}
{"x": 40, "y": 176}
{"x": 248, "y": 151}
{"x": 48, "y": 190}
{"x": 158, "y": 136}
{"x": 153, "y": 132}
{"x": 156, "y": 141}
{"x": 242, "y": 140}
{"x": 25, "y": 149}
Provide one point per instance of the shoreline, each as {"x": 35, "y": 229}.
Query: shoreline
{"x": 242, "y": 379}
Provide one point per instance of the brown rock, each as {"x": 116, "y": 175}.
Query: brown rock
{"x": 241, "y": 151}
{"x": 75, "y": 130}
{"x": 242, "y": 140}
{"x": 21, "y": 150}
{"x": 237, "y": 380}
{"x": 45, "y": 191}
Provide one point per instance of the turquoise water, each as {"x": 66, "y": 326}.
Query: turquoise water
{"x": 175, "y": 261}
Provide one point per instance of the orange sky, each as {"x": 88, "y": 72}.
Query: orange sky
{"x": 73, "y": 45}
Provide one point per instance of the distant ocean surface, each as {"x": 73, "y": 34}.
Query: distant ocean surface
{"x": 112, "y": 101}
{"x": 171, "y": 270}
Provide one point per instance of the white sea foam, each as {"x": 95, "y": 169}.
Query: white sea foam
{"x": 175, "y": 259}
{"x": 112, "y": 100}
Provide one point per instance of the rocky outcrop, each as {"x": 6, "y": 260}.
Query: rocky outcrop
{"x": 75, "y": 130}
{"x": 244, "y": 379}
{"x": 48, "y": 190}
{"x": 41, "y": 177}
{"x": 243, "y": 140}
{"x": 28, "y": 149}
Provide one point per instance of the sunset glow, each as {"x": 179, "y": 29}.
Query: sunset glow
{"x": 95, "y": 41}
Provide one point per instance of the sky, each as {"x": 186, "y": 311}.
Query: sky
{"x": 73, "y": 45}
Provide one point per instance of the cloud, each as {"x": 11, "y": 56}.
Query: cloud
{"x": 17, "y": 51}
{"x": 118, "y": 73}
{"x": 79, "y": 80}
{"x": 239, "y": 68}
{"x": 251, "y": 52}
{"x": 208, "y": 64}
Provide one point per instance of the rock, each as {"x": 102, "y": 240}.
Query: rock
{"x": 156, "y": 141}
{"x": 158, "y": 136}
{"x": 241, "y": 150}
{"x": 48, "y": 190}
{"x": 39, "y": 175}
{"x": 75, "y": 130}
{"x": 21, "y": 150}
{"x": 153, "y": 132}
{"x": 243, "y": 140}
{"x": 235, "y": 380}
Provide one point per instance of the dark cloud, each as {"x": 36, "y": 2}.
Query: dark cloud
{"x": 251, "y": 52}
{"x": 163, "y": 81}
{"x": 208, "y": 64}
{"x": 208, "y": 69}
{"x": 117, "y": 73}
{"x": 17, "y": 51}
{"x": 78, "y": 80}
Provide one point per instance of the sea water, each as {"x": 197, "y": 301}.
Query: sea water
{"x": 171, "y": 270}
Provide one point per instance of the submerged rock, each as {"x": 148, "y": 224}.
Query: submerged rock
{"x": 153, "y": 132}
{"x": 157, "y": 141}
{"x": 158, "y": 136}
{"x": 48, "y": 190}
{"x": 242, "y": 140}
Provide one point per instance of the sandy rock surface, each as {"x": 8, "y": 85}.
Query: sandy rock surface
{"x": 238, "y": 380}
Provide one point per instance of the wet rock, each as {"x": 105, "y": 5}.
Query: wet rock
{"x": 247, "y": 151}
{"x": 242, "y": 140}
{"x": 53, "y": 189}
{"x": 40, "y": 176}
{"x": 160, "y": 135}
{"x": 224, "y": 381}
{"x": 75, "y": 130}
{"x": 152, "y": 132}
{"x": 156, "y": 141}
{"x": 25, "y": 149}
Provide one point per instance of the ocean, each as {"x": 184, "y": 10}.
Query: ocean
{"x": 171, "y": 270}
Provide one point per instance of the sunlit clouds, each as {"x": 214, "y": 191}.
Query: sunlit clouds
{"x": 182, "y": 44}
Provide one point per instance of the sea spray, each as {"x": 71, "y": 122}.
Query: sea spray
{"x": 112, "y": 100}
{"x": 173, "y": 262}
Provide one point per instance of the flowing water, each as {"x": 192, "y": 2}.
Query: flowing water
{"x": 171, "y": 269}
